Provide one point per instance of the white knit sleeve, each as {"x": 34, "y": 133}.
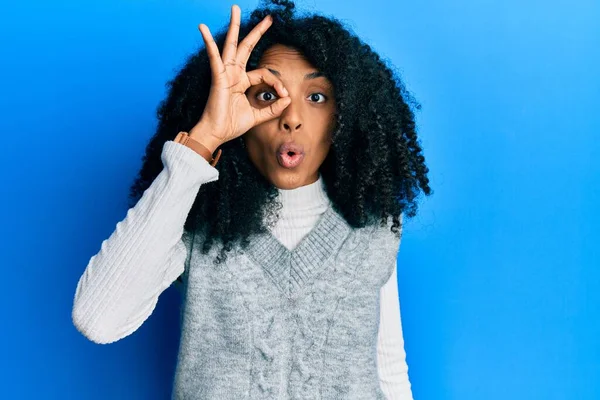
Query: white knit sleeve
{"x": 120, "y": 286}
{"x": 391, "y": 357}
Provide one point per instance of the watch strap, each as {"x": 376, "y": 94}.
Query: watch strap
{"x": 185, "y": 139}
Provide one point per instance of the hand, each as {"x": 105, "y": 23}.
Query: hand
{"x": 228, "y": 114}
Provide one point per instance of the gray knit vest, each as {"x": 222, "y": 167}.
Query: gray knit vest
{"x": 271, "y": 323}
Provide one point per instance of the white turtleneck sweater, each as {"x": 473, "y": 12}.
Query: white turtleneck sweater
{"x": 302, "y": 207}
{"x": 120, "y": 254}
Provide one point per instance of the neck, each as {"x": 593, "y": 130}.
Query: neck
{"x": 304, "y": 198}
{"x": 302, "y": 208}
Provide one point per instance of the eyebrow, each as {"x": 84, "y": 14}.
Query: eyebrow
{"x": 312, "y": 75}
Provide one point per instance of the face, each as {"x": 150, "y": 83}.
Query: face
{"x": 307, "y": 121}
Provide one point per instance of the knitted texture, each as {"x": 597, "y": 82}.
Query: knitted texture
{"x": 273, "y": 323}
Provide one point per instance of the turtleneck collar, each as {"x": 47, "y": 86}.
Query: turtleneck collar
{"x": 305, "y": 197}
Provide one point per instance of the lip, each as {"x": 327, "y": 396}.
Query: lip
{"x": 290, "y": 146}
{"x": 289, "y": 162}
{"x": 284, "y": 160}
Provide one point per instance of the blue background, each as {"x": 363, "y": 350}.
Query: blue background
{"x": 498, "y": 275}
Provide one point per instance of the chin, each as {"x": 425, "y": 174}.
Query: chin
{"x": 288, "y": 179}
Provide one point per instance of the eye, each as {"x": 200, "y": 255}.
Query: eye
{"x": 270, "y": 96}
{"x": 313, "y": 95}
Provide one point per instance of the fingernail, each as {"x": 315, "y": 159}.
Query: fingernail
{"x": 285, "y": 92}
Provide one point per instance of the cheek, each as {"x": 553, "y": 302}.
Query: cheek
{"x": 257, "y": 144}
{"x": 321, "y": 147}
{"x": 332, "y": 122}
{"x": 258, "y": 133}
{"x": 325, "y": 146}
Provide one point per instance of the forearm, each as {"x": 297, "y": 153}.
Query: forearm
{"x": 121, "y": 283}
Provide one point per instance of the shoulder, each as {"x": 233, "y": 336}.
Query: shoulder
{"x": 383, "y": 246}
{"x": 383, "y": 241}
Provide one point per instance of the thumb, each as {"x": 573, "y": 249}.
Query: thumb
{"x": 274, "y": 110}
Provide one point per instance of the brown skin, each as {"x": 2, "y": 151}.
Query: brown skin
{"x": 256, "y": 105}
{"x": 308, "y": 120}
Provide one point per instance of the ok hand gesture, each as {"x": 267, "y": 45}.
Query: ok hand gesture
{"x": 228, "y": 114}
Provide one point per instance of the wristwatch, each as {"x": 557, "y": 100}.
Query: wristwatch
{"x": 185, "y": 139}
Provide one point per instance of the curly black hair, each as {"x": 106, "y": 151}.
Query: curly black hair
{"x": 374, "y": 168}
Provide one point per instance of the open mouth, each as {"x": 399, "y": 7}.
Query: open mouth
{"x": 290, "y": 159}
{"x": 290, "y": 154}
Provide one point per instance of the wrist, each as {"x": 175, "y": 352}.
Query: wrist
{"x": 204, "y": 136}
{"x": 186, "y": 140}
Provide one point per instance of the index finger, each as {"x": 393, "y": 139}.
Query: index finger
{"x": 246, "y": 46}
{"x": 214, "y": 58}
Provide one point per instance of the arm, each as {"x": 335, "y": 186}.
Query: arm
{"x": 393, "y": 370}
{"x": 120, "y": 286}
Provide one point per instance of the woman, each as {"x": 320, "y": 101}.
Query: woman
{"x": 285, "y": 243}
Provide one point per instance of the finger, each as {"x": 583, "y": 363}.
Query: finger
{"x": 246, "y": 46}
{"x": 263, "y": 75}
{"x": 216, "y": 64}
{"x": 268, "y": 113}
{"x": 231, "y": 41}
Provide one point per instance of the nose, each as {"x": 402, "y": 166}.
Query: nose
{"x": 287, "y": 126}
{"x": 290, "y": 119}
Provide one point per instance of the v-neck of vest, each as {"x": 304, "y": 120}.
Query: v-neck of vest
{"x": 291, "y": 270}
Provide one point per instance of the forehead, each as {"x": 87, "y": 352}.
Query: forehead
{"x": 288, "y": 61}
